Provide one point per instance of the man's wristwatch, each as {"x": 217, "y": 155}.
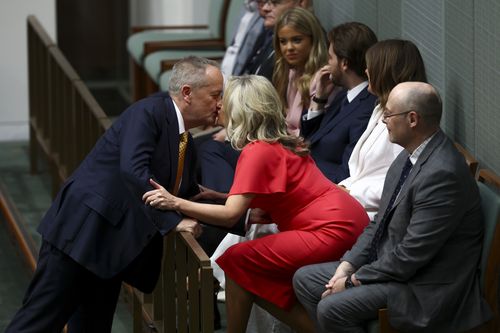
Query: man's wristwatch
{"x": 319, "y": 100}
{"x": 348, "y": 282}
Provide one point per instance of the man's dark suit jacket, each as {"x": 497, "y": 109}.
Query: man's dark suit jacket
{"x": 98, "y": 217}
{"x": 261, "y": 62}
{"x": 430, "y": 254}
{"x": 333, "y": 135}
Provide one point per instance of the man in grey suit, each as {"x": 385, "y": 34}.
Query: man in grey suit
{"x": 420, "y": 256}
{"x": 250, "y": 27}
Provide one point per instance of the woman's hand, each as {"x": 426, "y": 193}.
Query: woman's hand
{"x": 208, "y": 194}
{"x": 160, "y": 198}
{"x": 220, "y": 135}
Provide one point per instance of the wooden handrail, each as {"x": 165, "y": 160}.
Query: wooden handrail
{"x": 65, "y": 122}
{"x": 39, "y": 31}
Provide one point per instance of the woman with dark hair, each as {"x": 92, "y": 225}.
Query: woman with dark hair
{"x": 317, "y": 220}
{"x": 388, "y": 63}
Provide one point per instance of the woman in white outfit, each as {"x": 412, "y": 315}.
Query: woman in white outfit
{"x": 388, "y": 63}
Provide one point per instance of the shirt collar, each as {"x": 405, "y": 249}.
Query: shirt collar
{"x": 416, "y": 153}
{"x": 352, "y": 93}
{"x": 180, "y": 120}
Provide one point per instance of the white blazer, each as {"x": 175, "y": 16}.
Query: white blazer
{"x": 369, "y": 162}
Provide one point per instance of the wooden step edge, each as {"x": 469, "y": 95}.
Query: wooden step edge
{"x": 18, "y": 228}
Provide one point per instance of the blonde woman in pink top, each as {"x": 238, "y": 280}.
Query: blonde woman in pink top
{"x": 301, "y": 50}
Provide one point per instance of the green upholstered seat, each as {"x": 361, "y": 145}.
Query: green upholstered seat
{"x": 135, "y": 43}
{"x": 490, "y": 201}
{"x": 152, "y": 62}
{"x": 164, "y": 79}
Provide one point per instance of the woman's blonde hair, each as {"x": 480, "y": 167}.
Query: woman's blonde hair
{"x": 253, "y": 111}
{"x": 306, "y": 23}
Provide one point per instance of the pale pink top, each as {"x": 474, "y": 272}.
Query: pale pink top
{"x": 294, "y": 107}
{"x": 294, "y": 101}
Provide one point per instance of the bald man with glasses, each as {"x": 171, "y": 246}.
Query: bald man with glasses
{"x": 419, "y": 257}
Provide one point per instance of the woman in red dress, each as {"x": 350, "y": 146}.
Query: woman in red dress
{"x": 317, "y": 220}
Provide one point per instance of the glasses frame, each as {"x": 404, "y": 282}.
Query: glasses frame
{"x": 386, "y": 116}
{"x": 270, "y": 2}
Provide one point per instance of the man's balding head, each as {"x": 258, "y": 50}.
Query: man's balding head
{"x": 412, "y": 114}
{"x": 421, "y": 97}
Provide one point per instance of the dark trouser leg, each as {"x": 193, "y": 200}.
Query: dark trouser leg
{"x": 51, "y": 297}
{"x": 347, "y": 311}
{"x": 309, "y": 283}
{"x": 95, "y": 314}
{"x": 54, "y": 294}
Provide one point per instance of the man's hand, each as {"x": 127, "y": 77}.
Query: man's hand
{"x": 258, "y": 216}
{"x": 342, "y": 187}
{"x": 337, "y": 282}
{"x": 189, "y": 225}
{"x": 324, "y": 85}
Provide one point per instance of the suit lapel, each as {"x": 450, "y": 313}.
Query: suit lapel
{"x": 367, "y": 139}
{"x": 391, "y": 183}
{"x": 422, "y": 159}
{"x": 332, "y": 119}
{"x": 328, "y": 122}
{"x": 172, "y": 127}
{"x": 377, "y": 130}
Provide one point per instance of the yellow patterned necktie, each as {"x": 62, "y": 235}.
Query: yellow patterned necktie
{"x": 180, "y": 166}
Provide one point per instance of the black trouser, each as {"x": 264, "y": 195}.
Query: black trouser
{"x": 62, "y": 289}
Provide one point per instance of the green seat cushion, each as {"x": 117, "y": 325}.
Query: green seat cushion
{"x": 135, "y": 43}
{"x": 152, "y": 62}
{"x": 164, "y": 80}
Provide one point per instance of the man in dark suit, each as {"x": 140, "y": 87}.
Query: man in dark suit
{"x": 420, "y": 256}
{"x": 250, "y": 27}
{"x": 332, "y": 132}
{"x": 98, "y": 232}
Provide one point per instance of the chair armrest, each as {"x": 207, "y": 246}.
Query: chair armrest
{"x": 489, "y": 177}
{"x": 203, "y": 44}
{"x": 469, "y": 159}
{"x": 384, "y": 326}
{"x": 140, "y": 28}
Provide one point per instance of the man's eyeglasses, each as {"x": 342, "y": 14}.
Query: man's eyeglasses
{"x": 270, "y": 2}
{"x": 385, "y": 115}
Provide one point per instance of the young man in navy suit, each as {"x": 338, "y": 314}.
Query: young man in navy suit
{"x": 98, "y": 232}
{"x": 334, "y": 130}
